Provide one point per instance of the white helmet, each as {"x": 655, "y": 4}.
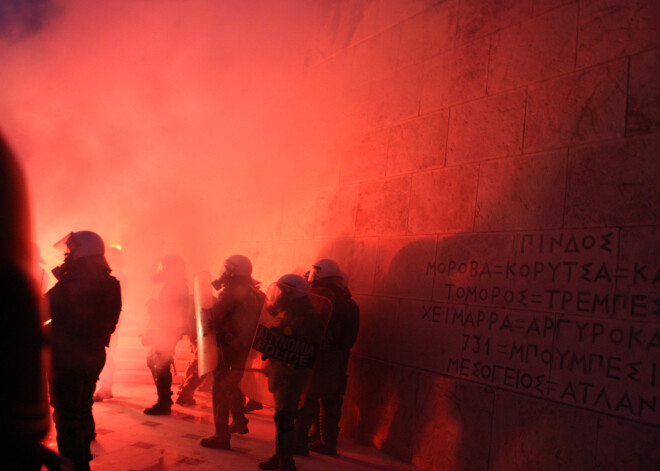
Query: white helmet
{"x": 323, "y": 268}
{"x": 238, "y": 265}
{"x": 81, "y": 244}
{"x": 293, "y": 286}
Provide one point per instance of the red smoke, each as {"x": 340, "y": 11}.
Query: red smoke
{"x": 172, "y": 127}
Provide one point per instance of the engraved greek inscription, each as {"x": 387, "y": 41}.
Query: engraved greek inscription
{"x": 634, "y": 370}
{"x": 554, "y": 269}
{"x": 654, "y": 342}
{"x": 638, "y": 306}
{"x": 565, "y": 243}
{"x": 474, "y": 344}
{"x": 561, "y": 271}
{"x": 613, "y": 368}
{"x": 565, "y": 304}
{"x": 589, "y": 394}
{"x": 640, "y": 273}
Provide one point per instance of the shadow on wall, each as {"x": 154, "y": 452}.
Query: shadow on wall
{"x": 392, "y": 400}
{"x": 401, "y": 399}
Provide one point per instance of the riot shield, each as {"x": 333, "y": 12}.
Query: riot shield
{"x": 207, "y": 348}
{"x": 285, "y": 345}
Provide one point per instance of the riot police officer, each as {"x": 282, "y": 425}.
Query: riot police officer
{"x": 235, "y": 316}
{"x": 84, "y": 305}
{"x": 328, "y": 383}
{"x": 295, "y": 318}
{"x": 168, "y": 315}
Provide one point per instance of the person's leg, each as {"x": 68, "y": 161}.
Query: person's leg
{"x": 236, "y": 404}
{"x": 66, "y": 391}
{"x": 284, "y": 441}
{"x": 164, "y": 383}
{"x": 160, "y": 365}
{"x": 284, "y": 427}
{"x": 220, "y": 394}
{"x": 314, "y": 434}
{"x": 329, "y": 424}
{"x": 304, "y": 420}
{"x": 107, "y": 377}
{"x": 190, "y": 384}
{"x": 274, "y": 461}
{"x": 89, "y": 379}
{"x": 191, "y": 381}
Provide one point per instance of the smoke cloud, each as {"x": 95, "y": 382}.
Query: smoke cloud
{"x": 165, "y": 126}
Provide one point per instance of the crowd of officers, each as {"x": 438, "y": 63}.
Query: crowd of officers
{"x": 85, "y": 304}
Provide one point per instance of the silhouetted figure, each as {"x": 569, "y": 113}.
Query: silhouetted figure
{"x": 168, "y": 316}
{"x": 24, "y": 412}
{"x": 295, "y": 318}
{"x": 328, "y": 383}
{"x": 235, "y": 315}
{"x": 84, "y": 304}
{"x": 116, "y": 260}
{"x": 191, "y": 379}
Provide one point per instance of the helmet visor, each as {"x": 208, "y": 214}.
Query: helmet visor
{"x": 273, "y": 293}
{"x": 313, "y": 275}
{"x": 63, "y": 245}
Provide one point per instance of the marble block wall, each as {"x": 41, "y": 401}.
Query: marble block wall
{"x": 495, "y": 200}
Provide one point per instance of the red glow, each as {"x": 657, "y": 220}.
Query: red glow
{"x": 168, "y": 129}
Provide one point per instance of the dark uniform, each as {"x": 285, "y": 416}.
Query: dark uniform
{"x": 287, "y": 382}
{"x": 236, "y": 315}
{"x": 328, "y": 382}
{"x": 168, "y": 316}
{"x": 85, "y": 305}
{"x": 191, "y": 379}
{"x": 106, "y": 380}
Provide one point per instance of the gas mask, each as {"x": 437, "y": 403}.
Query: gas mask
{"x": 219, "y": 283}
{"x": 60, "y": 270}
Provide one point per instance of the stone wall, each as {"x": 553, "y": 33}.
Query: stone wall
{"x": 495, "y": 200}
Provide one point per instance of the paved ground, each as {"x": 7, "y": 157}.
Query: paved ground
{"x": 128, "y": 440}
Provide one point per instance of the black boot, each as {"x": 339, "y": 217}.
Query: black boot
{"x": 240, "y": 428}
{"x": 324, "y": 448}
{"x": 284, "y": 426}
{"x": 216, "y": 442}
{"x": 159, "y": 408}
{"x": 328, "y": 431}
{"x": 304, "y": 420}
{"x": 163, "y": 379}
{"x": 300, "y": 446}
{"x": 253, "y": 405}
{"x": 164, "y": 404}
{"x": 272, "y": 463}
{"x": 185, "y": 399}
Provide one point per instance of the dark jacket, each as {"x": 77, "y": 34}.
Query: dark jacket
{"x": 236, "y": 316}
{"x": 287, "y": 382}
{"x": 84, "y": 305}
{"x": 344, "y": 322}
